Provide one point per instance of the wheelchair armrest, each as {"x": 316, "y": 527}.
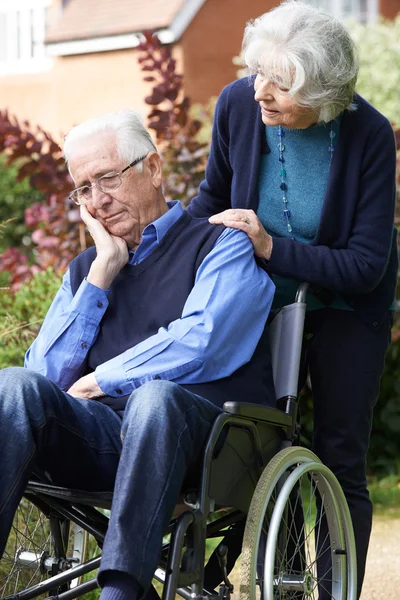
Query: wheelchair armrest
{"x": 257, "y": 412}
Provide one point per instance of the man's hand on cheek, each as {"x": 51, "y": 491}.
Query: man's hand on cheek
{"x": 112, "y": 252}
{"x": 86, "y": 387}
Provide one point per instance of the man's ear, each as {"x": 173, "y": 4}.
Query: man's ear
{"x": 154, "y": 166}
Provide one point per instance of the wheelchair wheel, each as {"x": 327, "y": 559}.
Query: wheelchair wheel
{"x": 298, "y": 541}
{"x": 39, "y": 546}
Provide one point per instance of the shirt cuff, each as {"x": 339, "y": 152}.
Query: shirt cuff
{"x": 90, "y": 301}
{"x": 112, "y": 379}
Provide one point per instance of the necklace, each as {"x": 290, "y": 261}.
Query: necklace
{"x": 283, "y": 185}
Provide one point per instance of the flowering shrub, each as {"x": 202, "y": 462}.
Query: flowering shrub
{"x": 184, "y": 155}
{"x": 15, "y": 197}
{"x": 56, "y": 233}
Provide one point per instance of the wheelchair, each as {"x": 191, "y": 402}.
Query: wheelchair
{"x": 258, "y": 495}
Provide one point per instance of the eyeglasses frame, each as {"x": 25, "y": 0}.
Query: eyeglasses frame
{"x": 94, "y": 184}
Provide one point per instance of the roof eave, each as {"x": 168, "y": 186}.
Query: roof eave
{"x": 124, "y": 41}
{"x": 103, "y": 43}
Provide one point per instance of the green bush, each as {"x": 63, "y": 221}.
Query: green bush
{"x": 21, "y": 315}
{"x": 384, "y": 453}
{"x": 15, "y": 197}
{"x": 379, "y": 77}
{"x": 385, "y": 493}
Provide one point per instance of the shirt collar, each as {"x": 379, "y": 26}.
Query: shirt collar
{"x": 161, "y": 225}
{"x": 158, "y": 228}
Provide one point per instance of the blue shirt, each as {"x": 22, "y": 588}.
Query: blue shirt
{"x": 226, "y": 309}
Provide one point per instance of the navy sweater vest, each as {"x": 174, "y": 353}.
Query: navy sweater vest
{"x": 151, "y": 294}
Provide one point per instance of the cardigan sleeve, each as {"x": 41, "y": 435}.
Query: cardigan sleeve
{"x": 214, "y": 194}
{"x": 359, "y": 267}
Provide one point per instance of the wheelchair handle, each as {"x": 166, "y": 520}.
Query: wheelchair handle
{"x": 301, "y": 293}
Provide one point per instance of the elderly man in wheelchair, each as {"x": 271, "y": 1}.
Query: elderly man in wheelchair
{"x": 145, "y": 388}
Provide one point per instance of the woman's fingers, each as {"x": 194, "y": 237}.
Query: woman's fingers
{"x": 235, "y": 218}
{"x": 247, "y": 221}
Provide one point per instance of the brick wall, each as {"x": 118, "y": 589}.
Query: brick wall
{"x": 210, "y": 42}
{"x": 389, "y": 8}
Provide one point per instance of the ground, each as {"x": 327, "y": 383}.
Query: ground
{"x": 382, "y": 578}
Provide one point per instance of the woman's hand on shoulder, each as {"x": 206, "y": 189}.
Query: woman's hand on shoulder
{"x": 247, "y": 221}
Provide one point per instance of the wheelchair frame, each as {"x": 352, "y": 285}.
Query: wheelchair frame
{"x": 257, "y": 442}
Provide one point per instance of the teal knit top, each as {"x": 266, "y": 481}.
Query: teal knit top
{"x": 307, "y": 165}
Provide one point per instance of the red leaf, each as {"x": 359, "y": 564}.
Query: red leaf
{"x": 155, "y": 98}
{"x": 172, "y": 94}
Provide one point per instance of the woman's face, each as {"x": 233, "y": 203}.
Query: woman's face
{"x": 278, "y": 108}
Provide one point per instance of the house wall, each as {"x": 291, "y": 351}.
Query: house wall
{"x": 92, "y": 84}
{"x": 389, "y": 8}
{"x": 210, "y": 42}
{"x": 81, "y": 86}
{"x": 28, "y": 97}
{"x": 77, "y": 88}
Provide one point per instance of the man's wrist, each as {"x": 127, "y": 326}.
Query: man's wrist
{"x": 101, "y": 275}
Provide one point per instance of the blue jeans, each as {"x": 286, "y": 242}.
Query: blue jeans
{"x": 143, "y": 457}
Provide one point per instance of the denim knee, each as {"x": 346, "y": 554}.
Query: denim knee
{"x": 152, "y": 399}
{"x": 22, "y": 392}
{"x": 11, "y": 374}
{"x": 159, "y": 404}
{"x": 13, "y": 381}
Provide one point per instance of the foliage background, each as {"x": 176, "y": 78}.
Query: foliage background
{"x": 21, "y": 314}
{"x": 15, "y": 197}
{"x": 379, "y": 77}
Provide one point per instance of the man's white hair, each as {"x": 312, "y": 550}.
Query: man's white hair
{"x": 132, "y": 138}
{"x": 310, "y": 51}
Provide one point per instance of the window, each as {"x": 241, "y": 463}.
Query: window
{"x": 364, "y": 11}
{"x": 22, "y": 32}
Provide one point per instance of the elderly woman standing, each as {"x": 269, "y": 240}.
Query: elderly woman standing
{"x": 306, "y": 168}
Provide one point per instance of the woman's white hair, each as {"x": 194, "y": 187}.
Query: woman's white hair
{"x": 308, "y": 51}
{"x": 132, "y": 138}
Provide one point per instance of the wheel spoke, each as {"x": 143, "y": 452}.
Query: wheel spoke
{"x": 29, "y": 542}
{"x": 296, "y": 503}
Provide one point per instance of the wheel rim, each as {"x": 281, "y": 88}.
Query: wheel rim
{"x": 302, "y": 580}
{"x": 31, "y": 555}
{"x": 304, "y": 555}
{"x": 28, "y": 544}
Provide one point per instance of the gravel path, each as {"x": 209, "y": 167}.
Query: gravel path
{"x": 382, "y": 578}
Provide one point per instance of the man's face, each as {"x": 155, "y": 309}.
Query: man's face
{"x": 138, "y": 201}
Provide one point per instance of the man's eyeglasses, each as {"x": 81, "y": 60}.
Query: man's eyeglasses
{"x": 106, "y": 183}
